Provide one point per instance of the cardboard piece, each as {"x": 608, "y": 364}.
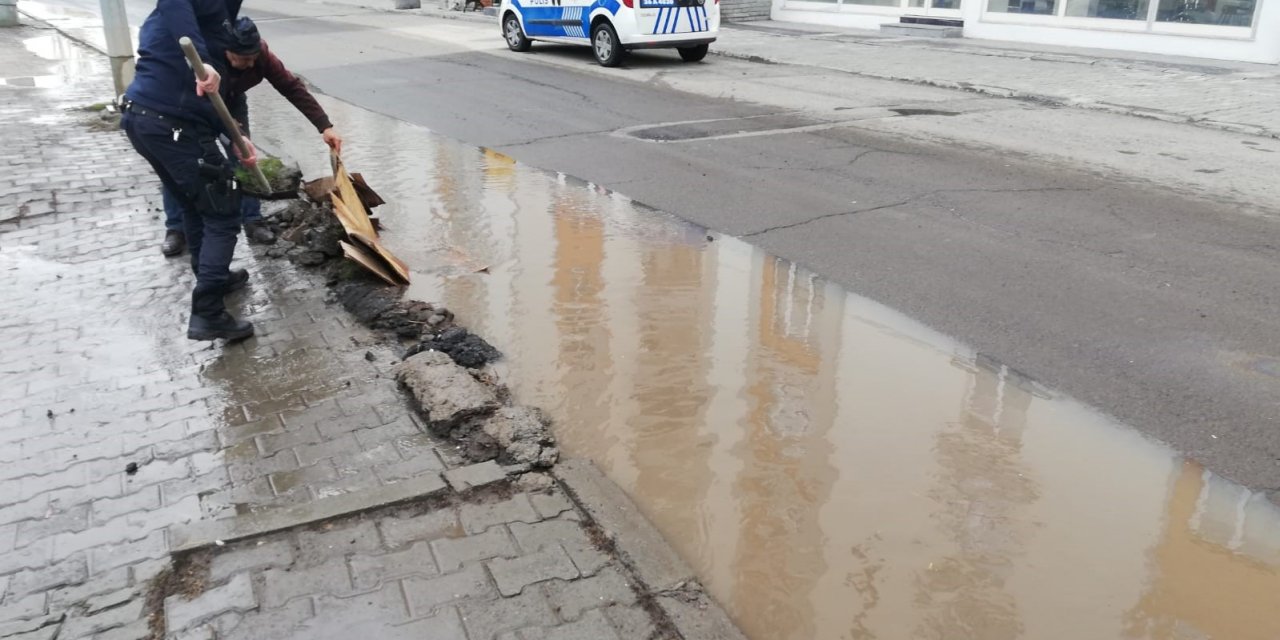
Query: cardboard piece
{"x": 351, "y": 198}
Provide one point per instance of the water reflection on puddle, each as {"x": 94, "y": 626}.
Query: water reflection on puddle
{"x": 68, "y": 62}
{"x": 830, "y": 467}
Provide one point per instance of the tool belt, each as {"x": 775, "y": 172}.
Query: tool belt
{"x": 219, "y": 192}
{"x": 221, "y": 189}
{"x": 129, "y": 106}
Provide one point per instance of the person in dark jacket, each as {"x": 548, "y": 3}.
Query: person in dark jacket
{"x": 250, "y": 62}
{"x": 172, "y": 125}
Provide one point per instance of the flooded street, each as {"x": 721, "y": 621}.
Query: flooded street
{"x": 831, "y": 468}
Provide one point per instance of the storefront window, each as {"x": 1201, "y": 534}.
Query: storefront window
{"x": 1235, "y": 13}
{"x": 1113, "y": 9}
{"x": 1038, "y": 7}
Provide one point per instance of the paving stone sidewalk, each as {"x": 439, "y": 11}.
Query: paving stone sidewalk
{"x": 507, "y": 568}
{"x": 116, "y": 432}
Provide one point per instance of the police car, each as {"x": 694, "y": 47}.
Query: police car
{"x": 613, "y": 27}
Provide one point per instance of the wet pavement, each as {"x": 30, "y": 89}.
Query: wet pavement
{"x": 832, "y": 468}
{"x": 121, "y": 441}
{"x": 47, "y": 60}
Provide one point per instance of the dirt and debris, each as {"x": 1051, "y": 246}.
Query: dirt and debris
{"x": 470, "y": 409}
{"x": 524, "y": 436}
{"x": 444, "y": 365}
{"x": 308, "y": 233}
{"x": 465, "y": 348}
{"x": 186, "y": 577}
{"x": 351, "y": 201}
{"x": 100, "y": 116}
{"x": 131, "y": 469}
{"x": 448, "y": 395}
{"x": 535, "y": 481}
{"x": 381, "y": 307}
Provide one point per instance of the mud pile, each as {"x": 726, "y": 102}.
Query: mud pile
{"x": 308, "y": 233}
{"x": 469, "y": 408}
{"x": 444, "y": 365}
{"x": 380, "y": 307}
{"x": 466, "y": 348}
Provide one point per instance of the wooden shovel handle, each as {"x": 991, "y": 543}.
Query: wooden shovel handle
{"x": 232, "y": 127}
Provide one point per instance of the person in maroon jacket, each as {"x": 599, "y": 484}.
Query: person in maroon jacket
{"x": 251, "y": 62}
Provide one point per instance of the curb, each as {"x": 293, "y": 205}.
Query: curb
{"x": 37, "y": 22}
{"x": 463, "y": 16}
{"x": 443, "y": 14}
{"x": 203, "y": 534}
{"x": 639, "y": 545}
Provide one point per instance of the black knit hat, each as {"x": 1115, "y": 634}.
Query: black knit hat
{"x": 245, "y": 40}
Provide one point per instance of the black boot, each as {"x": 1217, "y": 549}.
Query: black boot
{"x": 237, "y": 280}
{"x": 224, "y": 326}
{"x": 258, "y": 233}
{"x": 175, "y": 242}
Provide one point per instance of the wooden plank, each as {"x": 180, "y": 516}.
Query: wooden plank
{"x": 368, "y": 197}
{"x": 361, "y": 256}
{"x": 394, "y": 264}
{"x": 347, "y": 193}
{"x": 351, "y": 198}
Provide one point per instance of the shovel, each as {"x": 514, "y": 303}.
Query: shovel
{"x": 233, "y": 129}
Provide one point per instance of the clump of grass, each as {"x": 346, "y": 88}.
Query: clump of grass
{"x": 281, "y": 178}
{"x": 97, "y": 107}
{"x": 271, "y": 168}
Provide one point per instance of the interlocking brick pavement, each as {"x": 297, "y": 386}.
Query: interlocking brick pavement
{"x": 97, "y": 374}
{"x": 115, "y": 431}
{"x": 445, "y": 585}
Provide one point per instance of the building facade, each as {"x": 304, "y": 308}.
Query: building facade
{"x": 1239, "y": 30}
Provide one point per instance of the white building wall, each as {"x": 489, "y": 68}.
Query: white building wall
{"x": 1259, "y": 44}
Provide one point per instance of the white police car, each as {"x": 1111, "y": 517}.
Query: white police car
{"x": 613, "y": 27}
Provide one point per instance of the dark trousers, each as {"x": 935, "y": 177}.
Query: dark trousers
{"x": 250, "y": 208}
{"x": 211, "y": 210}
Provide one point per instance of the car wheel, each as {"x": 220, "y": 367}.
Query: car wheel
{"x": 694, "y": 53}
{"x": 514, "y": 35}
{"x": 605, "y": 44}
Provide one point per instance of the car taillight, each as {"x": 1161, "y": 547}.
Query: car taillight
{"x": 630, "y": 4}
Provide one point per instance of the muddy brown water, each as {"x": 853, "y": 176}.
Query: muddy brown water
{"x": 831, "y": 468}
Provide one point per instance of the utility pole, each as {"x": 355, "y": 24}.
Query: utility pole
{"x": 8, "y": 13}
{"x": 115, "y": 25}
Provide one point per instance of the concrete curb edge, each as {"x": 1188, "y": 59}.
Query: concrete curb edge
{"x": 695, "y": 615}
{"x": 203, "y": 534}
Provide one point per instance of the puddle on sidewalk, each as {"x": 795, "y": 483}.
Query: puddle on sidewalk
{"x": 831, "y": 468}
{"x": 53, "y": 61}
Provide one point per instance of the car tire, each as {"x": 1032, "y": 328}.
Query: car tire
{"x": 605, "y": 45}
{"x": 513, "y": 33}
{"x": 693, "y": 54}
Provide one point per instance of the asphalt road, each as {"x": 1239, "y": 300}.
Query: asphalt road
{"x": 1155, "y": 306}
